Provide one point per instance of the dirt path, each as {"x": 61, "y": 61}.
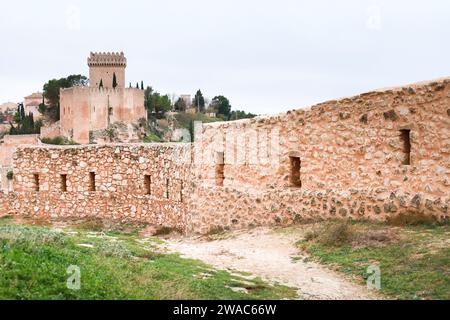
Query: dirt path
{"x": 272, "y": 256}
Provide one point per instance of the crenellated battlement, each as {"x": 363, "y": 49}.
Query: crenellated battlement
{"x": 99, "y": 91}
{"x": 107, "y": 59}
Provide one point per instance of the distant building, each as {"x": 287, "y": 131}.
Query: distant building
{"x": 187, "y": 99}
{"x": 8, "y": 107}
{"x": 31, "y": 104}
{"x": 85, "y": 110}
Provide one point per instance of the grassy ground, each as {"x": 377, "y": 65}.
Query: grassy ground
{"x": 414, "y": 260}
{"x": 114, "y": 264}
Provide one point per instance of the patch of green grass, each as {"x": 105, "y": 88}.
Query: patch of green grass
{"x": 415, "y": 266}
{"x": 152, "y": 137}
{"x": 34, "y": 262}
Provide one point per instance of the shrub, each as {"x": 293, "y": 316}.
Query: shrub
{"x": 412, "y": 219}
{"x": 164, "y": 231}
{"x": 19, "y": 234}
{"x": 59, "y": 141}
{"x": 337, "y": 234}
{"x": 10, "y": 175}
{"x": 153, "y": 137}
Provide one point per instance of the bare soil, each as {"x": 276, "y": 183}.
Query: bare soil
{"x": 273, "y": 256}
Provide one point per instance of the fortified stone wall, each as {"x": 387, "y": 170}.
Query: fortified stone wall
{"x": 122, "y": 182}
{"x": 370, "y": 156}
{"x": 7, "y": 148}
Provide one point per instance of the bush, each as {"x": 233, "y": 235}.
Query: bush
{"x": 59, "y": 141}
{"x": 337, "y": 234}
{"x": 153, "y": 137}
{"x": 10, "y": 175}
{"x": 412, "y": 219}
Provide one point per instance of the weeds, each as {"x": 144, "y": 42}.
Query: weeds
{"x": 412, "y": 219}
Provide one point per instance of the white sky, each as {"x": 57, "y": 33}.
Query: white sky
{"x": 266, "y": 56}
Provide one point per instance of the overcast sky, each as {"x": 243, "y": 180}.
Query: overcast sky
{"x": 265, "y": 56}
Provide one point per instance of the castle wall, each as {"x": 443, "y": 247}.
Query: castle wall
{"x": 351, "y": 153}
{"x": 121, "y": 186}
{"x": 51, "y": 131}
{"x": 372, "y": 156}
{"x": 7, "y": 149}
{"x": 86, "y": 109}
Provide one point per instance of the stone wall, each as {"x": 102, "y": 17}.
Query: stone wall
{"x": 122, "y": 182}
{"x": 51, "y": 131}
{"x": 342, "y": 158}
{"x": 7, "y": 148}
{"x": 372, "y": 156}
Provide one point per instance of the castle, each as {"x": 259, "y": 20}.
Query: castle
{"x": 87, "y": 110}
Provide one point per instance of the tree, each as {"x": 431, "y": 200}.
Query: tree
{"x": 101, "y": 84}
{"x": 162, "y": 104}
{"x": 148, "y": 92}
{"x": 137, "y": 85}
{"x": 222, "y": 106}
{"x": 199, "y": 101}
{"x": 2, "y": 117}
{"x": 25, "y": 123}
{"x": 180, "y": 105}
{"x": 52, "y": 89}
{"x": 114, "y": 83}
{"x": 142, "y": 85}
{"x": 237, "y": 115}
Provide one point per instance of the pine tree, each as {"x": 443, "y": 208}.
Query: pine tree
{"x": 142, "y": 85}
{"x": 199, "y": 101}
{"x": 114, "y": 84}
{"x": 137, "y": 85}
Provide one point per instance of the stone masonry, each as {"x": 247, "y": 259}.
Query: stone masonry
{"x": 371, "y": 156}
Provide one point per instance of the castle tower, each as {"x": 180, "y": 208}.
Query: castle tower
{"x": 103, "y": 66}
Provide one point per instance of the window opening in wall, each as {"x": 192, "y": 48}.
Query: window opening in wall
{"x": 148, "y": 185}
{"x": 220, "y": 169}
{"x": 405, "y": 137}
{"x": 295, "y": 177}
{"x": 181, "y": 191}
{"x": 64, "y": 183}
{"x": 36, "y": 182}
{"x": 91, "y": 181}
{"x": 167, "y": 188}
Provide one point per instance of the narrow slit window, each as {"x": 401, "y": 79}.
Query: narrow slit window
{"x": 167, "y": 188}
{"x": 181, "y": 191}
{"x": 92, "y": 181}
{"x": 295, "y": 176}
{"x": 64, "y": 183}
{"x": 405, "y": 137}
{"x": 36, "y": 182}
{"x": 220, "y": 169}
{"x": 148, "y": 185}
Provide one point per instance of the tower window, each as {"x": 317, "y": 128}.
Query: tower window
{"x": 64, "y": 183}
{"x": 92, "y": 181}
{"x": 405, "y": 138}
{"x": 295, "y": 177}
